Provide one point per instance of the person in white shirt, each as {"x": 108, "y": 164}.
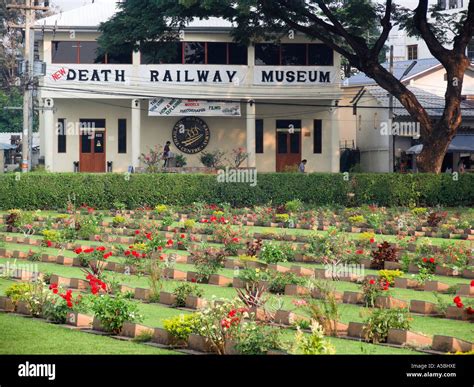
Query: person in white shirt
{"x": 302, "y": 165}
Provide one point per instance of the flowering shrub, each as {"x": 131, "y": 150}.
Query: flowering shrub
{"x": 207, "y": 261}
{"x": 98, "y": 254}
{"x": 389, "y": 276}
{"x": 114, "y": 311}
{"x": 313, "y": 344}
{"x": 428, "y": 264}
{"x": 372, "y": 288}
{"x": 469, "y": 307}
{"x": 57, "y": 307}
{"x": 219, "y": 321}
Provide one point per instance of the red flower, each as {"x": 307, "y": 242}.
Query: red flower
{"x": 235, "y": 240}
{"x": 193, "y": 279}
{"x": 472, "y": 283}
{"x": 49, "y": 243}
{"x": 372, "y": 240}
{"x": 460, "y": 305}
{"x": 457, "y": 299}
{"x": 148, "y": 236}
{"x": 100, "y": 248}
{"x": 372, "y": 282}
{"x": 78, "y": 250}
{"x": 170, "y": 242}
{"x": 127, "y": 253}
{"x": 137, "y": 232}
{"x": 360, "y": 252}
{"x": 432, "y": 260}
{"x": 470, "y": 310}
{"x": 182, "y": 236}
{"x": 425, "y": 260}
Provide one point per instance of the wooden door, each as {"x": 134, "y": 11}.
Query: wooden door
{"x": 92, "y": 151}
{"x": 288, "y": 144}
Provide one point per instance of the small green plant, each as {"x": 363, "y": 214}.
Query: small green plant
{"x": 212, "y": 159}
{"x": 118, "y": 221}
{"x": 180, "y": 161}
{"x": 282, "y": 218}
{"x": 272, "y": 253}
{"x": 180, "y": 327}
{"x": 356, "y": 219}
{"x": 257, "y": 339}
{"x": 419, "y": 211}
{"x": 184, "y": 290}
{"x": 441, "y": 304}
{"x": 18, "y": 291}
{"x": 143, "y": 337}
{"x": 189, "y": 224}
{"x": 161, "y": 209}
{"x": 279, "y": 280}
{"x": 313, "y": 344}
{"x": 380, "y": 321}
{"x": 294, "y": 205}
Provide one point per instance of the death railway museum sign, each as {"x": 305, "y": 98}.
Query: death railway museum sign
{"x": 169, "y": 74}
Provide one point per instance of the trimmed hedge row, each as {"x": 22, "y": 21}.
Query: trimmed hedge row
{"x": 51, "y": 191}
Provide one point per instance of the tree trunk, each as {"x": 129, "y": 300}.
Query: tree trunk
{"x": 435, "y": 147}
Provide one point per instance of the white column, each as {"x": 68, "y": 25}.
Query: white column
{"x": 250, "y": 118}
{"x": 49, "y": 133}
{"x": 136, "y": 132}
{"x": 335, "y": 152}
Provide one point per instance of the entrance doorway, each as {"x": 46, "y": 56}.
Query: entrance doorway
{"x": 288, "y": 144}
{"x": 92, "y": 146}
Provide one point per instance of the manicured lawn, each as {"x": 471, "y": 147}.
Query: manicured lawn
{"x": 22, "y": 335}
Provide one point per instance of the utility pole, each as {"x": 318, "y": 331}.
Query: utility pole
{"x": 29, "y": 8}
{"x": 391, "y": 140}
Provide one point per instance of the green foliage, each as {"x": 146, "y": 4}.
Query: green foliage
{"x": 184, "y": 290}
{"x": 294, "y": 205}
{"x": 390, "y": 275}
{"x": 18, "y": 291}
{"x": 182, "y": 326}
{"x": 47, "y": 191}
{"x": 272, "y": 253}
{"x": 114, "y": 311}
{"x": 313, "y": 344}
{"x": 381, "y": 321}
{"x": 257, "y": 339}
{"x": 279, "y": 280}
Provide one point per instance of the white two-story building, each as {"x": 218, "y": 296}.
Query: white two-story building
{"x": 278, "y": 102}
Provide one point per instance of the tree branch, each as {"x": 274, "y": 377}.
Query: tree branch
{"x": 387, "y": 26}
{"x": 423, "y": 27}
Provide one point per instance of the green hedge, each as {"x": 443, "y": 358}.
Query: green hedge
{"x": 50, "y": 191}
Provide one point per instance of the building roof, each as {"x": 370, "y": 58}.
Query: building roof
{"x": 399, "y": 68}
{"x": 433, "y": 104}
{"x": 91, "y": 15}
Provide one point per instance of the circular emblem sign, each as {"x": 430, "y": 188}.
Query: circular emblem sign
{"x": 191, "y": 135}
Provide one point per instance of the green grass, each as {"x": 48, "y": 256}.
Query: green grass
{"x": 21, "y": 335}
